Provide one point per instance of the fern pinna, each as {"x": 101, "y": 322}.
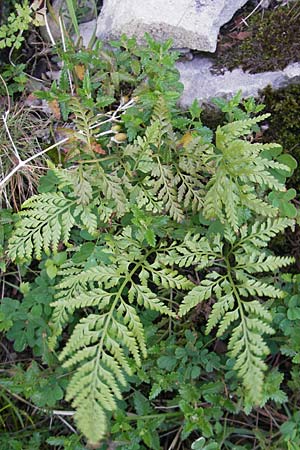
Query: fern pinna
{"x": 132, "y": 202}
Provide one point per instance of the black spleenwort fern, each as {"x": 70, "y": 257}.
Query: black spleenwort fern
{"x": 227, "y": 182}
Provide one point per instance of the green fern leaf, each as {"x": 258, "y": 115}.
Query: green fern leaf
{"x": 219, "y": 309}
{"x": 236, "y": 310}
{"x": 229, "y": 317}
{"x": 112, "y": 189}
{"x": 239, "y": 169}
{"x": 190, "y": 190}
{"x": 85, "y": 418}
{"x": 89, "y": 219}
{"x": 46, "y": 219}
{"x": 198, "y": 294}
{"x": 145, "y": 297}
{"x": 195, "y": 250}
{"x": 261, "y": 233}
{"x": 133, "y": 322}
{"x": 256, "y": 287}
{"x": 163, "y": 186}
{"x": 231, "y": 131}
{"x": 168, "y": 278}
{"x": 97, "y": 346}
{"x": 260, "y": 262}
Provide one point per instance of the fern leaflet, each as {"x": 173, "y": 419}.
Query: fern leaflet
{"x": 45, "y": 220}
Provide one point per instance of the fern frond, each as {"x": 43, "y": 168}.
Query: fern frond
{"x": 108, "y": 343}
{"x": 85, "y": 121}
{"x": 75, "y": 292}
{"x": 112, "y": 189}
{"x": 134, "y": 324}
{"x": 163, "y": 186}
{"x": 239, "y": 169}
{"x": 219, "y": 310}
{"x": 46, "y": 220}
{"x": 95, "y": 347}
{"x": 143, "y": 195}
{"x": 107, "y": 275}
{"x": 98, "y": 348}
{"x": 65, "y": 305}
{"x": 234, "y": 291}
{"x": 162, "y": 116}
{"x": 226, "y": 321}
{"x": 249, "y": 366}
{"x": 250, "y": 200}
{"x": 78, "y": 181}
{"x": 85, "y": 419}
{"x": 88, "y": 218}
{"x": 190, "y": 191}
{"x": 256, "y": 287}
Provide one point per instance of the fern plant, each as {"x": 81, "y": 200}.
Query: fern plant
{"x": 230, "y": 281}
{"x": 102, "y": 344}
{"x": 134, "y": 203}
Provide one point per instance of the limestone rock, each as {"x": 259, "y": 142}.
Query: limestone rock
{"x": 190, "y": 23}
{"x": 199, "y": 82}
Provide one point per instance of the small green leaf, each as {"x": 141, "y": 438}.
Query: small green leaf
{"x": 281, "y": 200}
{"x": 195, "y": 109}
{"x": 150, "y": 237}
{"x": 51, "y": 269}
{"x": 167, "y": 362}
{"x": 289, "y": 161}
{"x": 84, "y": 252}
{"x": 293, "y": 313}
{"x": 141, "y": 404}
{"x": 24, "y": 288}
{"x": 198, "y": 444}
{"x": 5, "y": 324}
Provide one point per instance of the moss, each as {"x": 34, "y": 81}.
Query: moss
{"x": 211, "y": 116}
{"x": 284, "y": 128}
{"x": 284, "y": 123}
{"x": 273, "y": 44}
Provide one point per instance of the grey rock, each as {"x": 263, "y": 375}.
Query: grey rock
{"x": 199, "y": 82}
{"x": 87, "y": 31}
{"x": 190, "y": 23}
{"x": 59, "y": 8}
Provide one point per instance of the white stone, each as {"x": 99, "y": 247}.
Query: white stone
{"x": 190, "y": 23}
{"x": 200, "y": 83}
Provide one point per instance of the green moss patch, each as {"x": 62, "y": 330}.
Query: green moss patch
{"x": 270, "y": 42}
{"x": 284, "y": 123}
